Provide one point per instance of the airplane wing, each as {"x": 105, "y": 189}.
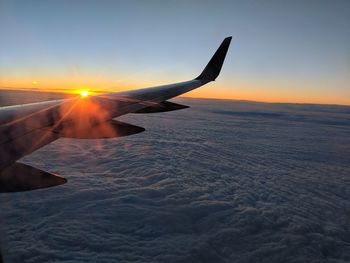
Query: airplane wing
{"x": 26, "y": 128}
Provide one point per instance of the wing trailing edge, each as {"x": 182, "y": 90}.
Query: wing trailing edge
{"x": 22, "y": 177}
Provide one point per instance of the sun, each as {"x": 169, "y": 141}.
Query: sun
{"x": 84, "y": 93}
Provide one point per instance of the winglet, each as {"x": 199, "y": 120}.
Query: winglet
{"x": 212, "y": 70}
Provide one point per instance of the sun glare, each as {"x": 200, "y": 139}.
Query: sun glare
{"x": 84, "y": 93}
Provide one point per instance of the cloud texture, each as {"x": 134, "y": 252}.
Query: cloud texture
{"x": 224, "y": 181}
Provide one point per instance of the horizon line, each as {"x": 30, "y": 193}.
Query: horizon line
{"x": 70, "y": 91}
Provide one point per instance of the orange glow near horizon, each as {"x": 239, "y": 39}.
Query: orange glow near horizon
{"x": 268, "y": 96}
{"x": 238, "y": 90}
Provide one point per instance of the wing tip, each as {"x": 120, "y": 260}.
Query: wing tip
{"x": 213, "y": 68}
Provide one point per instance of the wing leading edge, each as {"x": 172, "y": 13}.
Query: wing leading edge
{"x": 48, "y": 121}
{"x": 165, "y": 92}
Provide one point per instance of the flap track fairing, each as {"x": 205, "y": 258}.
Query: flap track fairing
{"x": 162, "y": 107}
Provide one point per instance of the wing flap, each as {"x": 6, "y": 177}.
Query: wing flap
{"x": 104, "y": 130}
{"x": 162, "y": 107}
{"x": 22, "y": 177}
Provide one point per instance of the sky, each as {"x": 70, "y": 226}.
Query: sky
{"x": 282, "y": 51}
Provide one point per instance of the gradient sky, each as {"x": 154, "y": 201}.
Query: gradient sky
{"x": 282, "y": 51}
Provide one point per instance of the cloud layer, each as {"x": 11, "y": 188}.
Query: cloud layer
{"x": 219, "y": 182}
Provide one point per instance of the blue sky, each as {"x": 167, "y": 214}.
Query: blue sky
{"x": 296, "y": 51}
